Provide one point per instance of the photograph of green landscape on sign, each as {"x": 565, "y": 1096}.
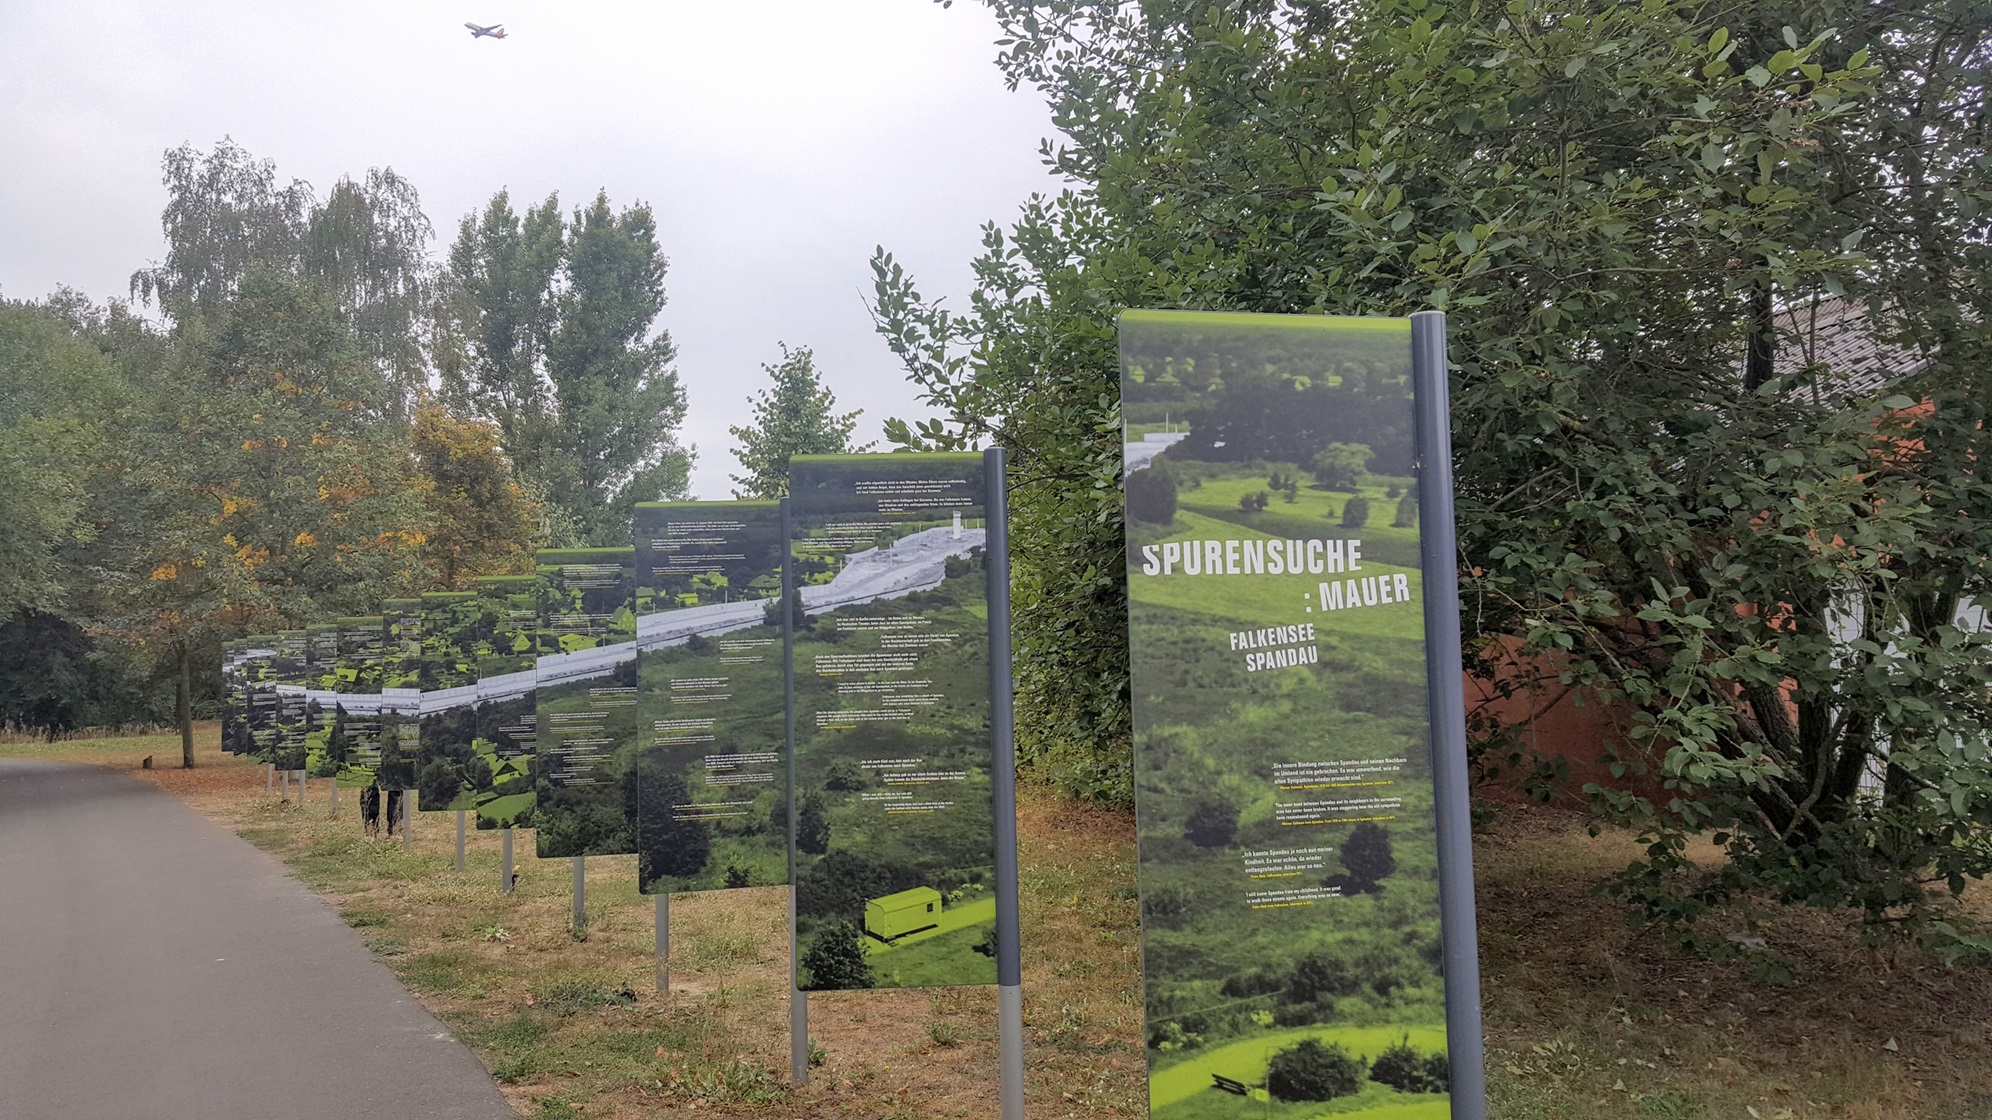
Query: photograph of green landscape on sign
{"x": 400, "y": 692}
{"x": 895, "y": 844}
{"x": 347, "y": 748}
{"x": 506, "y": 642}
{"x": 585, "y": 701}
{"x": 235, "y": 657}
{"x": 710, "y": 786}
{"x": 1288, "y": 863}
{"x": 280, "y": 710}
{"x": 446, "y": 744}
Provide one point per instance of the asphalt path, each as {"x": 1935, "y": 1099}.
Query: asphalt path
{"x": 153, "y": 966}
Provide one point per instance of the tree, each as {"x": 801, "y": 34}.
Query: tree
{"x": 1341, "y": 466}
{"x": 366, "y": 246}
{"x": 551, "y": 333}
{"x": 271, "y": 487}
{"x": 1404, "y": 1069}
{"x": 1311, "y": 1071}
{"x": 836, "y": 959}
{"x": 797, "y": 416}
{"x": 61, "y": 399}
{"x": 1211, "y": 823}
{"x": 1355, "y": 514}
{"x": 668, "y": 845}
{"x": 812, "y": 828}
{"x": 477, "y": 520}
{"x": 1406, "y": 516}
{"x": 1151, "y": 494}
{"x": 1661, "y": 490}
{"x": 1366, "y": 856}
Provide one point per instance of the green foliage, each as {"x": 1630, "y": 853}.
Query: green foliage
{"x": 477, "y": 519}
{"x": 1366, "y": 855}
{"x": 1406, "y": 516}
{"x": 1211, "y": 823}
{"x": 1665, "y": 489}
{"x": 1355, "y": 514}
{"x": 1151, "y": 494}
{"x": 836, "y": 959}
{"x": 812, "y": 828}
{"x": 1253, "y": 501}
{"x": 1402, "y": 1068}
{"x": 797, "y": 416}
{"x": 1311, "y": 1071}
{"x": 1341, "y": 466}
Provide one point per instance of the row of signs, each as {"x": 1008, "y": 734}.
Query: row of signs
{"x": 632, "y": 701}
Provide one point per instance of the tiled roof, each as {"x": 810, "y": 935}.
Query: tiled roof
{"x": 1837, "y": 336}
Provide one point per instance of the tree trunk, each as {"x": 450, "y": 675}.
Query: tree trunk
{"x": 183, "y": 707}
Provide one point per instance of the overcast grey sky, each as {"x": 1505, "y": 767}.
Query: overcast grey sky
{"x": 778, "y": 142}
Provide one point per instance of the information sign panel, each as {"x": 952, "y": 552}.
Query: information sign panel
{"x": 895, "y": 845}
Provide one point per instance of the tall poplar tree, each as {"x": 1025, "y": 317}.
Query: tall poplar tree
{"x": 553, "y": 334}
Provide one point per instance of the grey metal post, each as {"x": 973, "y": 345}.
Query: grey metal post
{"x": 1003, "y": 783}
{"x": 505, "y": 863}
{"x": 1439, "y": 561}
{"x": 460, "y": 820}
{"x": 407, "y": 816}
{"x": 303, "y": 787}
{"x": 798, "y": 1001}
{"x": 580, "y": 894}
{"x": 335, "y": 795}
{"x": 664, "y": 941}
{"x": 286, "y": 785}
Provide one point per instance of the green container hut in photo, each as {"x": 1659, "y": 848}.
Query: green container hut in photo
{"x": 897, "y": 915}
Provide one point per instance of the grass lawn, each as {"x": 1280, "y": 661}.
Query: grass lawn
{"x": 1585, "y": 1020}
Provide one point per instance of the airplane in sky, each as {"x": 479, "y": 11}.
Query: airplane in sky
{"x": 495, "y": 31}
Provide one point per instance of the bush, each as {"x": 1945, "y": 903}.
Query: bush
{"x": 1341, "y": 466}
{"x": 1321, "y": 975}
{"x": 1356, "y": 514}
{"x": 846, "y": 776}
{"x": 836, "y": 960}
{"x": 1151, "y": 494}
{"x": 1408, "y": 1071}
{"x": 1366, "y": 854}
{"x": 812, "y": 827}
{"x": 1211, "y": 824}
{"x": 1310, "y": 1071}
{"x": 1254, "y": 501}
{"x": 1407, "y": 513}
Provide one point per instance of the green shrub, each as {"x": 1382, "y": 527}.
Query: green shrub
{"x": 1356, "y": 514}
{"x": 1310, "y": 1071}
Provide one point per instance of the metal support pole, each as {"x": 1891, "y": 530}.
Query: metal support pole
{"x": 303, "y": 786}
{"x": 798, "y": 1000}
{"x": 664, "y": 941}
{"x": 407, "y": 816}
{"x": 287, "y": 775}
{"x": 580, "y": 895}
{"x": 505, "y": 863}
{"x": 1003, "y": 785}
{"x": 1439, "y": 562}
{"x": 460, "y": 820}
{"x": 335, "y": 796}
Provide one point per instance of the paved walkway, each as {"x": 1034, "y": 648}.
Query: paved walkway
{"x": 153, "y": 966}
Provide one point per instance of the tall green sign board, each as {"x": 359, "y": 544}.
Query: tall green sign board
{"x": 1284, "y": 781}
{"x": 895, "y": 843}
{"x": 711, "y": 779}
